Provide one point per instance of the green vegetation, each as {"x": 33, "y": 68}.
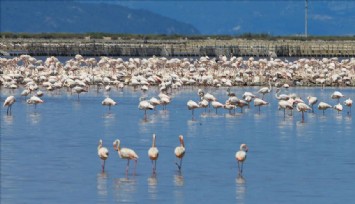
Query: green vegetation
{"x": 248, "y": 36}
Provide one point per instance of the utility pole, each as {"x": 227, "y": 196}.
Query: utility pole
{"x": 306, "y": 20}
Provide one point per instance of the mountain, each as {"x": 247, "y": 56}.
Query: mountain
{"x": 275, "y": 17}
{"x": 40, "y": 16}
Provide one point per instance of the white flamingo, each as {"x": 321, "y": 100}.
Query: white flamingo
{"x": 323, "y": 106}
{"x": 153, "y": 154}
{"x": 180, "y": 151}
{"x": 192, "y": 105}
{"x": 302, "y": 107}
{"x": 229, "y": 106}
{"x": 241, "y": 156}
{"x": 216, "y": 105}
{"x": 203, "y": 104}
{"x": 125, "y": 153}
{"x": 337, "y": 95}
{"x": 281, "y": 96}
{"x": 79, "y": 90}
{"x": 285, "y": 105}
{"x": 349, "y": 103}
{"x": 259, "y": 102}
{"x": 103, "y": 154}
{"x": 34, "y": 100}
{"x": 338, "y": 107}
{"x": 9, "y": 101}
{"x": 154, "y": 101}
{"x": 165, "y": 101}
{"x": 311, "y": 101}
{"x": 145, "y": 105}
{"x": 108, "y": 102}
{"x": 242, "y": 103}
{"x": 25, "y": 93}
{"x": 265, "y": 90}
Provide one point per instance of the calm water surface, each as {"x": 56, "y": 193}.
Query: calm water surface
{"x": 49, "y": 154}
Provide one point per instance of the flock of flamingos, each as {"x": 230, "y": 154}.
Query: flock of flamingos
{"x": 77, "y": 74}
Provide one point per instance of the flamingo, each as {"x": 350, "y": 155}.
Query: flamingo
{"x": 337, "y": 95}
{"x": 103, "y": 154}
{"x": 9, "y": 101}
{"x": 78, "y": 90}
{"x": 285, "y": 105}
{"x": 25, "y": 93}
{"x": 192, "y": 105}
{"x": 34, "y": 100}
{"x": 203, "y": 104}
{"x": 39, "y": 93}
{"x": 154, "y": 101}
{"x": 259, "y": 102}
{"x": 248, "y": 99}
{"x": 125, "y": 153}
{"x": 180, "y": 151}
{"x": 164, "y": 101}
{"x": 153, "y": 154}
{"x": 286, "y": 86}
{"x": 348, "y": 102}
{"x": 209, "y": 97}
{"x": 248, "y": 94}
{"x": 216, "y": 105}
{"x": 241, "y": 104}
{"x": 241, "y": 156}
{"x": 323, "y": 106}
{"x": 302, "y": 107}
{"x": 281, "y": 96}
{"x": 265, "y": 90}
{"x": 311, "y": 101}
{"x": 108, "y": 102}
{"x": 338, "y": 107}
{"x": 229, "y": 106}
{"x": 145, "y": 105}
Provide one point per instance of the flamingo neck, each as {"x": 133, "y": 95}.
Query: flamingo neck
{"x": 117, "y": 147}
{"x": 182, "y": 143}
{"x": 153, "y": 145}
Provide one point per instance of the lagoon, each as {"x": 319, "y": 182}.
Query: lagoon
{"x": 49, "y": 154}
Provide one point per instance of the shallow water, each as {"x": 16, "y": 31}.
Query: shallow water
{"x": 49, "y": 154}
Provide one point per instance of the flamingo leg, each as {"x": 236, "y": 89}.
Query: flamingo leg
{"x": 284, "y": 113}
{"x": 179, "y": 166}
{"x": 238, "y": 167}
{"x": 241, "y": 168}
{"x": 153, "y": 169}
{"x": 135, "y": 166}
{"x": 302, "y": 116}
{"x": 127, "y": 167}
{"x": 7, "y": 111}
{"x": 155, "y": 166}
{"x": 103, "y": 166}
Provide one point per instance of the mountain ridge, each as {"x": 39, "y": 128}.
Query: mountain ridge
{"x": 78, "y": 17}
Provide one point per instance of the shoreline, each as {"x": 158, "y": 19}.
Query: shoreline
{"x": 183, "y": 47}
